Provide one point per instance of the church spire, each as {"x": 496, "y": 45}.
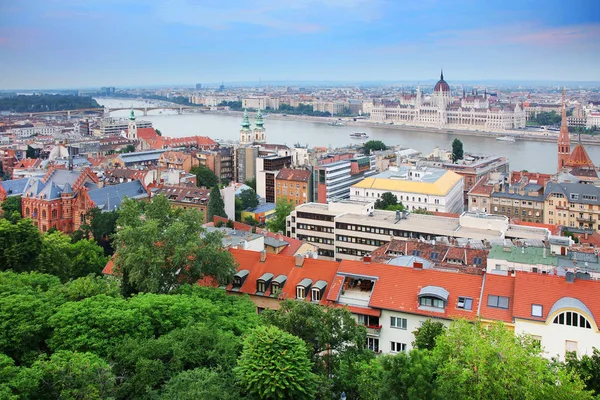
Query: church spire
{"x": 564, "y": 141}
{"x": 245, "y": 121}
{"x": 132, "y": 114}
{"x": 259, "y": 120}
{"x": 442, "y": 74}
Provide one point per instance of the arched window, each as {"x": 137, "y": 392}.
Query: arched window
{"x": 54, "y": 213}
{"x": 571, "y": 318}
{"x": 43, "y": 213}
{"x": 27, "y": 211}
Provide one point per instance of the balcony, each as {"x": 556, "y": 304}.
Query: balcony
{"x": 356, "y": 292}
{"x": 588, "y": 220}
{"x": 373, "y": 330}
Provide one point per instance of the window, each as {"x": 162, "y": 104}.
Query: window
{"x": 397, "y": 347}
{"x": 315, "y": 294}
{"x": 275, "y": 289}
{"x": 434, "y": 255}
{"x": 259, "y": 310}
{"x": 572, "y": 319}
{"x": 397, "y": 322}
{"x": 498, "y": 302}
{"x": 431, "y": 302}
{"x": 477, "y": 261}
{"x": 260, "y": 287}
{"x": 416, "y": 253}
{"x": 466, "y": 303}
{"x": 536, "y": 310}
{"x": 373, "y": 344}
{"x": 570, "y": 346}
{"x": 300, "y": 293}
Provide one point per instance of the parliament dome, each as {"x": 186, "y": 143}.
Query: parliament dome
{"x": 442, "y": 85}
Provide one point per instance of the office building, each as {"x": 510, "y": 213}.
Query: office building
{"x": 334, "y": 175}
{"x": 267, "y": 169}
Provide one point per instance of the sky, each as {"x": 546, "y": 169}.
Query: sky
{"x": 49, "y": 44}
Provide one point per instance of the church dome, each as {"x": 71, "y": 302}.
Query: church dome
{"x": 442, "y": 85}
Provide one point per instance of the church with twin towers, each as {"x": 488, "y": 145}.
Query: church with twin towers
{"x": 250, "y": 136}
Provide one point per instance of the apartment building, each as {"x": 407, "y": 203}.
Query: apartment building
{"x": 185, "y": 196}
{"x": 353, "y": 229}
{"x": 293, "y": 185}
{"x": 575, "y": 206}
{"x": 429, "y": 189}
{"x": 220, "y": 161}
{"x": 561, "y": 312}
{"x": 523, "y": 200}
{"x": 334, "y": 175}
{"x": 267, "y": 169}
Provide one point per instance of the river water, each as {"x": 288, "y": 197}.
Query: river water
{"x": 529, "y": 155}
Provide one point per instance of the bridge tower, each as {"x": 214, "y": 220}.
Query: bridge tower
{"x": 132, "y": 126}
{"x": 145, "y": 111}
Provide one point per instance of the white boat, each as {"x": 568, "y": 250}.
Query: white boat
{"x": 337, "y": 123}
{"x": 359, "y": 135}
{"x": 506, "y": 139}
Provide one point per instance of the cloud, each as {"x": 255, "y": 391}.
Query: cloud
{"x": 528, "y": 33}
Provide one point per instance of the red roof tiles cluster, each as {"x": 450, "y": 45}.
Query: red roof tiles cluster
{"x": 296, "y": 175}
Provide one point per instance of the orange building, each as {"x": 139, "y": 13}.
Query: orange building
{"x": 293, "y": 185}
{"x": 177, "y": 160}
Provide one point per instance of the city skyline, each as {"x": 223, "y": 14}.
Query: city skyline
{"x": 49, "y": 45}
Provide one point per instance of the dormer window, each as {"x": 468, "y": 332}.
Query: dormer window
{"x": 433, "y": 298}
{"x": 239, "y": 278}
{"x": 302, "y": 288}
{"x": 434, "y": 255}
{"x": 416, "y": 253}
{"x": 277, "y": 284}
{"x": 318, "y": 290}
{"x": 262, "y": 283}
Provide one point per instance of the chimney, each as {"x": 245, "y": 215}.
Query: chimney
{"x": 263, "y": 256}
{"x": 367, "y": 259}
{"x": 299, "y": 260}
{"x": 417, "y": 265}
{"x": 570, "y": 277}
{"x": 585, "y": 235}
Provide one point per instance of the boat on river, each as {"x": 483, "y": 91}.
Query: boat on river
{"x": 506, "y": 139}
{"x": 359, "y": 135}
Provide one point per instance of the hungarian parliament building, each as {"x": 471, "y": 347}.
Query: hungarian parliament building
{"x": 442, "y": 110}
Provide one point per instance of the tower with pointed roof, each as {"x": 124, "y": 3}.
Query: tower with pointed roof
{"x": 245, "y": 132}
{"x": 564, "y": 142}
{"x": 259, "y": 129}
{"x": 132, "y": 126}
{"x": 441, "y": 92}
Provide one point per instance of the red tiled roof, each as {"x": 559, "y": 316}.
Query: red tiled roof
{"x": 545, "y": 290}
{"x": 580, "y": 158}
{"x": 277, "y": 264}
{"x": 397, "y": 288}
{"x": 108, "y": 269}
{"x": 147, "y": 133}
{"x": 361, "y": 310}
{"x": 236, "y": 225}
{"x": 498, "y": 285}
{"x": 482, "y": 187}
{"x": 554, "y": 229}
{"x": 296, "y": 175}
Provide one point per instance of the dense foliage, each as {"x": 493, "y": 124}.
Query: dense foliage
{"x": 388, "y": 201}
{"x": 374, "y": 145}
{"x": 545, "y": 118}
{"x": 283, "y": 208}
{"x": 249, "y": 199}
{"x": 216, "y": 205}
{"x": 457, "y": 150}
{"x": 205, "y": 177}
{"x": 46, "y": 102}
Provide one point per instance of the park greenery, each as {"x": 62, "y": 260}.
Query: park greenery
{"x": 388, "y": 201}
{"x": 46, "y": 102}
{"x": 545, "y": 118}
{"x": 205, "y": 177}
{"x": 150, "y": 332}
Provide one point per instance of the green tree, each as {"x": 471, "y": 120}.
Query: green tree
{"x": 127, "y": 149}
{"x": 321, "y": 328}
{"x": 100, "y": 226}
{"x": 166, "y": 248}
{"x": 408, "y": 376}
{"x": 457, "y": 150}
{"x": 274, "y": 365}
{"x": 587, "y": 367}
{"x": 200, "y": 383}
{"x": 374, "y": 145}
{"x": 67, "y": 260}
{"x": 478, "y": 362}
{"x": 68, "y": 375}
{"x": 239, "y": 207}
{"x": 216, "y": 206}
{"x": 205, "y": 177}
{"x": 30, "y": 152}
{"x": 388, "y": 201}
{"x": 249, "y": 199}
{"x": 283, "y": 208}
{"x": 252, "y": 183}
{"x": 427, "y": 333}
{"x": 10, "y": 205}
{"x": 21, "y": 243}
{"x": 158, "y": 132}
{"x": 90, "y": 286}
{"x": 249, "y": 220}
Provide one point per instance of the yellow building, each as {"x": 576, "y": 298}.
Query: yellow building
{"x": 431, "y": 189}
{"x": 261, "y": 214}
{"x": 576, "y": 206}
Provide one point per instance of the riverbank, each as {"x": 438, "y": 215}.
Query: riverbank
{"x": 519, "y": 135}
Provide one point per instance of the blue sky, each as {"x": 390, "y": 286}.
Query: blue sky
{"x": 83, "y": 43}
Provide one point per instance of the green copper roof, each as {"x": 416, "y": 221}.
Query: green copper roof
{"x": 245, "y": 121}
{"x": 259, "y": 120}
{"x": 132, "y": 114}
{"x": 529, "y": 255}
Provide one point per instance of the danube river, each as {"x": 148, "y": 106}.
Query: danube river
{"x": 529, "y": 155}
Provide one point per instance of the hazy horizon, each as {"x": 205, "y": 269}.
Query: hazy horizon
{"x": 130, "y": 43}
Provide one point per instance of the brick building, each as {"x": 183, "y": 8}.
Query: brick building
{"x": 293, "y": 185}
